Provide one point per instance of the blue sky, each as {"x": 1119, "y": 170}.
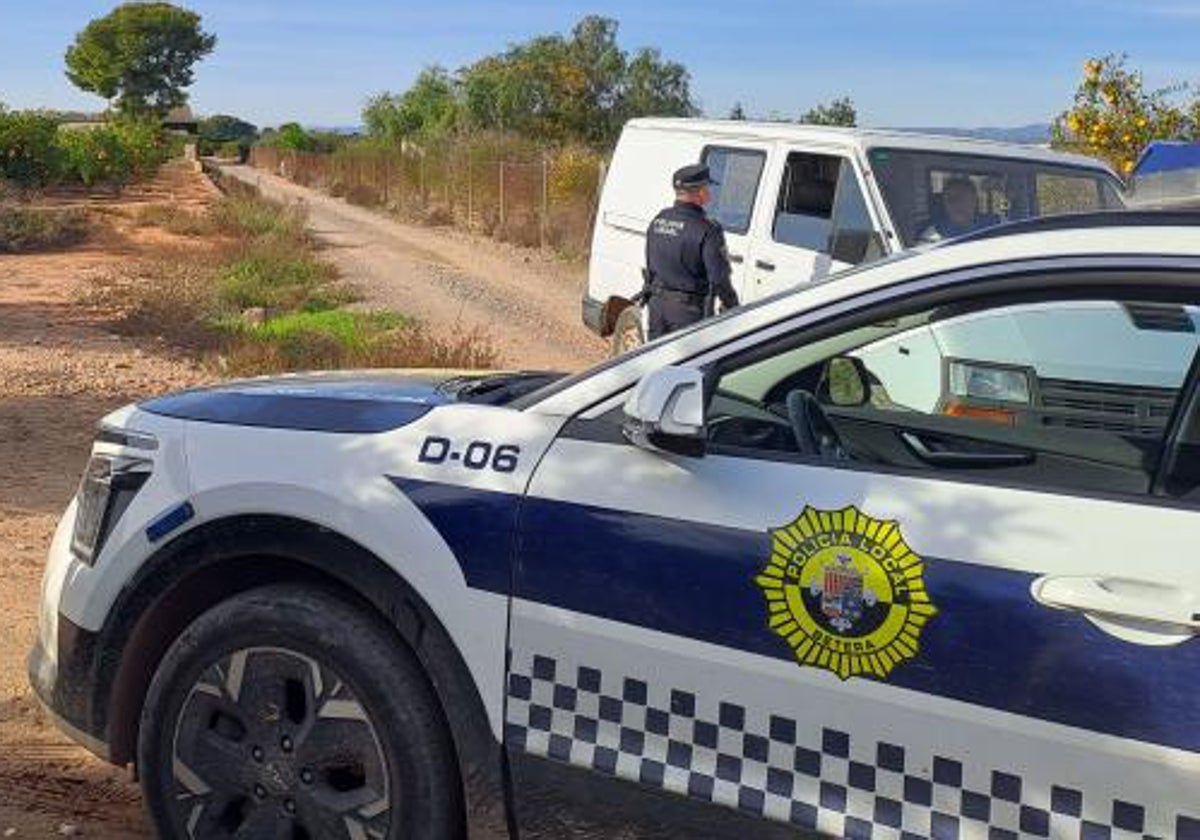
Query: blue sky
{"x": 904, "y": 62}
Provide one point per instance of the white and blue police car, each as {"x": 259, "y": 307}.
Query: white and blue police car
{"x": 908, "y": 553}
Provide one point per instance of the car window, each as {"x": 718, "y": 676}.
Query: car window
{"x": 737, "y": 173}
{"x": 804, "y": 210}
{"x": 1071, "y": 394}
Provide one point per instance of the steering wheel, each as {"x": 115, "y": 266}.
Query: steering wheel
{"x": 815, "y": 435}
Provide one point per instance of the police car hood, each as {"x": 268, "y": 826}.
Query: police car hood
{"x": 343, "y": 401}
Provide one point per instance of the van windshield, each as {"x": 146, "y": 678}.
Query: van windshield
{"x": 933, "y": 196}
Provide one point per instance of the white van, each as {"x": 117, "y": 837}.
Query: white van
{"x": 799, "y": 202}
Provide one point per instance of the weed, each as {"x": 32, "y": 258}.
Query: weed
{"x": 274, "y": 274}
{"x": 176, "y": 220}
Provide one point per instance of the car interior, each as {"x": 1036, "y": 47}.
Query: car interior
{"x": 825, "y": 401}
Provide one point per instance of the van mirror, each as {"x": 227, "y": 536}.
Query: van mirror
{"x": 665, "y": 412}
{"x": 846, "y": 383}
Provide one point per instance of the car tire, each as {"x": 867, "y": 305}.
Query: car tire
{"x": 287, "y": 712}
{"x": 627, "y": 332}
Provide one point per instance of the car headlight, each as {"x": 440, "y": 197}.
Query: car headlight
{"x": 992, "y": 383}
{"x": 108, "y": 486}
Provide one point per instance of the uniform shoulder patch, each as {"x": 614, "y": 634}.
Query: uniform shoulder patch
{"x": 845, "y": 592}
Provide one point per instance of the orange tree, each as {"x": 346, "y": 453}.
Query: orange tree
{"x": 1114, "y": 116}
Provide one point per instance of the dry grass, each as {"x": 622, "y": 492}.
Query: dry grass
{"x": 28, "y": 229}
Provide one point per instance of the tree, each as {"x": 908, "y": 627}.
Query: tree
{"x": 655, "y": 87}
{"x": 737, "y": 112}
{"x": 1113, "y": 116}
{"x": 139, "y": 57}
{"x": 430, "y": 106}
{"x": 293, "y": 136}
{"x": 838, "y": 112}
{"x": 223, "y": 128}
{"x": 554, "y": 88}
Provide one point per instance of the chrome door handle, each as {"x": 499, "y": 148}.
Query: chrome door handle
{"x": 1120, "y": 598}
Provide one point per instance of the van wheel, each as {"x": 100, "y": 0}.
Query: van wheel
{"x": 286, "y": 712}
{"x": 627, "y": 333}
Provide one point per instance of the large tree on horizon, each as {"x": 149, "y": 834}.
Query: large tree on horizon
{"x": 139, "y": 57}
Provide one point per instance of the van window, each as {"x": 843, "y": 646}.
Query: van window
{"x": 737, "y": 172}
{"x": 854, "y": 239}
{"x": 804, "y": 213}
{"x": 933, "y": 195}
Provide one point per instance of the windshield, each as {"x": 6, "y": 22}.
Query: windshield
{"x": 933, "y": 196}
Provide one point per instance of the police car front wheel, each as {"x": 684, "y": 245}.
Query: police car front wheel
{"x": 286, "y": 713}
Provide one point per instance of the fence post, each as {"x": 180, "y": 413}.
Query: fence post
{"x": 545, "y": 200}
{"x": 387, "y": 176}
{"x": 501, "y": 197}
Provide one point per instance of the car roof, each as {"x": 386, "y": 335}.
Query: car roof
{"x": 863, "y": 139}
{"x": 1149, "y": 236}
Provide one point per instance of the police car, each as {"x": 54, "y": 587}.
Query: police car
{"x": 737, "y": 583}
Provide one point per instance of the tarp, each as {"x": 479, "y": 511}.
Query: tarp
{"x": 1163, "y": 156}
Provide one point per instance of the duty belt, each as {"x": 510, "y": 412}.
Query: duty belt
{"x": 679, "y": 293}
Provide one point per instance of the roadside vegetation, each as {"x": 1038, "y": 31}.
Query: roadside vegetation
{"x": 29, "y": 229}
{"x": 247, "y": 288}
{"x": 37, "y": 151}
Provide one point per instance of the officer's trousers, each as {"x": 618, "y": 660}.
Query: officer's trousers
{"x": 670, "y": 312}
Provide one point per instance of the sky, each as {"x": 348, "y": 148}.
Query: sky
{"x": 955, "y": 63}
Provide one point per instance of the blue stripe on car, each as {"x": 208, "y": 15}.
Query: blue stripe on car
{"x": 991, "y": 644}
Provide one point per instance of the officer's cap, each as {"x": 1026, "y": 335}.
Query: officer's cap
{"x": 692, "y": 177}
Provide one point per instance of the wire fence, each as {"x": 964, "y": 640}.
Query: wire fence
{"x": 549, "y": 202}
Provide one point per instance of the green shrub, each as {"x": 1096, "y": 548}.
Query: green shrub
{"x": 28, "y": 153}
{"x": 25, "y": 229}
{"x": 144, "y": 144}
{"x": 274, "y": 274}
{"x": 93, "y": 156}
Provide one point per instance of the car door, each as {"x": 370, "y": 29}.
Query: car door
{"x": 974, "y": 618}
{"x": 738, "y": 170}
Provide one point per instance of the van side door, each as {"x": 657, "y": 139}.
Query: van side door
{"x": 820, "y": 222}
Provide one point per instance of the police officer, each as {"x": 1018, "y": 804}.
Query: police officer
{"x": 687, "y": 265}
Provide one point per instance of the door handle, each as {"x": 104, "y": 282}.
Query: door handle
{"x": 736, "y": 258}
{"x": 1120, "y": 598}
{"x": 764, "y": 265}
{"x": 961, "y": 458}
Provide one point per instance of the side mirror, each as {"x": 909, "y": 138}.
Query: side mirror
{"x": 665, "y": 412}
{"x": 846, "y": 382}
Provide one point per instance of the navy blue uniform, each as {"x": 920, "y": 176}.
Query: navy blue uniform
{"x": 688, "y": 262}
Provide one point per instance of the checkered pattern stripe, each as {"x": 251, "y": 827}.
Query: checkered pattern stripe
{"x": 819, "y": 780}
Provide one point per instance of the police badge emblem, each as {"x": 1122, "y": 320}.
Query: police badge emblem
{"x": 845, "y": 592}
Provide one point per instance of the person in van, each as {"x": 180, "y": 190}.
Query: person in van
{"x": 959, "y": 212}
{"x": 687, "y": 264}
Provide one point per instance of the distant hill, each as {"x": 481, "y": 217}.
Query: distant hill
{"x": 1034, "y": 133}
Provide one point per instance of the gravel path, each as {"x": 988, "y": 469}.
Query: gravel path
{"x": 527, "y": 302}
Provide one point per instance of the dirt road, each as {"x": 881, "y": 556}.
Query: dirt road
{"x": 529, "y": 303}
